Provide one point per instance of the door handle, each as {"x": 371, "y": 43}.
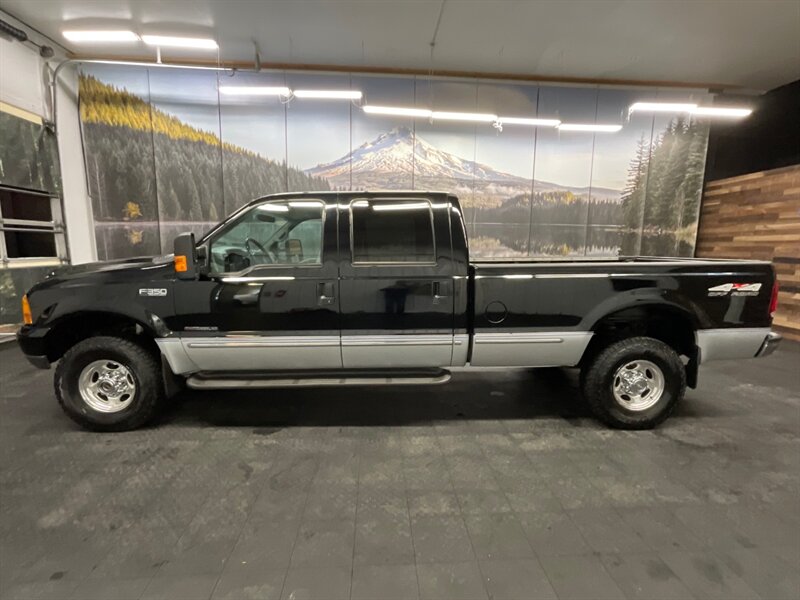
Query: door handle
{"x": 438, "y": 296}
{"x": 325, "y": 294}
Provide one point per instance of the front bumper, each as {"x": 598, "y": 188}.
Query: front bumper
{"x": 40, "y": 362}
{"x": 770, "y": 344}
{"x": 31, "y": 341}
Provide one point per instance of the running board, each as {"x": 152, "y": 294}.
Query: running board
{"x": 242, "y": 381}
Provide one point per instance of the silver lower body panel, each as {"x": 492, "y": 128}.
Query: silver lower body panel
{"x": 251, "y": 353}
{"x": 398, "y": 351}
{"x": 529, "y": 349}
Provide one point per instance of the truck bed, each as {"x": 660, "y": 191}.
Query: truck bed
{"x": 544, "y": 311}
{"x": 595, "y": 260}
{"x": 574, "y": 294}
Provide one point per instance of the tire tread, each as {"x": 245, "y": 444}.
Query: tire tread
{"x": 594, "y": 375}
{"x": 148, "y": 374}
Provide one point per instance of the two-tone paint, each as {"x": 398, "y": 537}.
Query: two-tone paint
{"x": 340, "y": 314}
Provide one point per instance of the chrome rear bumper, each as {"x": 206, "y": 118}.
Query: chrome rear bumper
{"x": 735, "y": 343}
{"x": 770, "y": 344}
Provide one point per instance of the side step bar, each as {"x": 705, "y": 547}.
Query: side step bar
{"x": 211, "y": 381}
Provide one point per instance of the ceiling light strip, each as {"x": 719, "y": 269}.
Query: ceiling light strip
{"x": 329, "y": 94}
{"x": 100, "y": 36}
{"x": 397, "y": 111}
{"x": 692, "y": 109}
{"x": 462, "y": 116}
{"x": 595, "y": 127}
{"x": 254, "y": 90}
{"x": 722, "y": 111}
{"x": 661, "y": 107}
{"x": 171, "y": 41}
{"x": 528, "y": 121}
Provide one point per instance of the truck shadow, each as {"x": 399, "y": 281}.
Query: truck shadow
{"x": 470, "y": 396}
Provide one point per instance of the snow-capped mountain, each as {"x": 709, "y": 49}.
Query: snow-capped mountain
{"x": 397, "y": 152}
{"x": 388, "y": 161}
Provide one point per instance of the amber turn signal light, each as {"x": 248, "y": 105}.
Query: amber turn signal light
{"x": 181, "y": 265}
{"x": 27, "y": 316}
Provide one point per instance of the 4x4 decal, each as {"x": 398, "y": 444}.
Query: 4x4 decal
{"x": 735, "y": 289}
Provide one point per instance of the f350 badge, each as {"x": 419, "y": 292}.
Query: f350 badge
{"x": 735, "y": 289}
{"x": 152, "y": 291}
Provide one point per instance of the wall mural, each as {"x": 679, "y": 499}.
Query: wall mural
{"x": 168, "y": 152}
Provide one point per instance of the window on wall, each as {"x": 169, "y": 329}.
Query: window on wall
{"x": 392, "y": 232}
{"x": 31, "y": 230}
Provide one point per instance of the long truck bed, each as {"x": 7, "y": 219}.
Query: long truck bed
{"x": 537, "y": 302}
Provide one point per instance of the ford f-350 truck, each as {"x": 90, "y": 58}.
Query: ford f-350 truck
{"x": 378, "y": 288}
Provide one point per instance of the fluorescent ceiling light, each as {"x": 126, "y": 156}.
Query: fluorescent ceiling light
{"x": 253, "y": 90}
{"x": 100, "y": 36}
{"x": 527, "y": 121}
{"x": 305, "y": 203}
{"x": 179, "y": 42}
{"x": 460, "y": 116}
{"x": 589, "y": 127}
{"x": 397, "y": 111}
{"x": 329, "y": 94}
{"x": 274, "y": 208}
{"x": 406, "y": 206}
{"x": 722, "y": 111}
{"x": 662, "y": 107}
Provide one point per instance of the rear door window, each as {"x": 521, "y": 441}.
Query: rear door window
{"x": 392, "y": 232}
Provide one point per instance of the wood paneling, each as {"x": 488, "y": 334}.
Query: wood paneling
{"x": 757, "y": 216}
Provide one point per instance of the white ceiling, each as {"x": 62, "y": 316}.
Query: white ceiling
{"x": 754, "y": 44}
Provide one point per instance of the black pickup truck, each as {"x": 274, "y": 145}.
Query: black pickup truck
{"x": 377, "y": 288}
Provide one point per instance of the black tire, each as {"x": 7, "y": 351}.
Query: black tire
{"x": 597, "y": 381}
{"x": 143, "y": 367}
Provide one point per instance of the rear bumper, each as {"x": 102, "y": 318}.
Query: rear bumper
{"x": 771, "y": 343}
{"x": 738, "y": 342}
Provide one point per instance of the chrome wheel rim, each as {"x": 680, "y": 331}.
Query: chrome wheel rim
{"x": 638, "y": 385}
{"x": 107, "y": 386}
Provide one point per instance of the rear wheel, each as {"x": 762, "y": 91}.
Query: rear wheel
{"x": 634, "y": 383}
{"x": 107, "y": 383}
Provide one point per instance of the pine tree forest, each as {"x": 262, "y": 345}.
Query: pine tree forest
{"x": 661, "y": 199}
{"x": 147, "y": 169}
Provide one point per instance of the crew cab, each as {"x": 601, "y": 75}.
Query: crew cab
{"x": 376, "y": 288}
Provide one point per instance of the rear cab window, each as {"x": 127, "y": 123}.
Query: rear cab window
{"x": 392, "y": 232}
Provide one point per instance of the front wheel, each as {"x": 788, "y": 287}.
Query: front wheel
{"x": 634, "y": 383}
{"x": 107, "y": 383}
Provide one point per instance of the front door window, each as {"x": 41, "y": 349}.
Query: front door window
{"x": 285, "y": 233}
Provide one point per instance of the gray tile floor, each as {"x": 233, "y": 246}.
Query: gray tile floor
{"x": 498, "y": 485}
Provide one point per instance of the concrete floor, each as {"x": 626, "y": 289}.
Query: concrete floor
{"x": 498, "y": 485}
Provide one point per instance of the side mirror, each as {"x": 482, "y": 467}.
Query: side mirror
{"x": 185, "y": 256}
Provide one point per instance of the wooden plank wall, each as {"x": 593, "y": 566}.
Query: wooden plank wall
{"x": 758, "y": 216}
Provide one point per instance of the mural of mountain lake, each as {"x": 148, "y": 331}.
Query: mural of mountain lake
{"x": 511, "y": 239}
{"x": 487, "y": 240}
